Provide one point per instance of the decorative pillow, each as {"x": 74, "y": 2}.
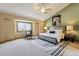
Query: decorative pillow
{"x": 52, "y": 32}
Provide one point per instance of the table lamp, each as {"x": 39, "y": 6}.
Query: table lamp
{"x": 69, "y": 29}
{"x": 45, "y": 28}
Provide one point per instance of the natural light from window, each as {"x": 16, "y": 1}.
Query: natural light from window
{"x": 23, "y": 26}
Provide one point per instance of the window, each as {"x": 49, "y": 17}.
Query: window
{"x": 23, "y": 26}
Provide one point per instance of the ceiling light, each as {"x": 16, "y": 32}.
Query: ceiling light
{"x": 43, "y": 7}
{"x": 42, "y": 10}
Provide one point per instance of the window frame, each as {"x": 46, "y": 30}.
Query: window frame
{"x": 21, "y": 22}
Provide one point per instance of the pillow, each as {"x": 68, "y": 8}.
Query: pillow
{"x": 52, "y": 32}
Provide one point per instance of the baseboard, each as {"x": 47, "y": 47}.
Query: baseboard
{"x": 10, "y": 40}
{"x": 13, "y": 39}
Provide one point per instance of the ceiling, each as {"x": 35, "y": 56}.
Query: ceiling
{"x": 28, "y": 9}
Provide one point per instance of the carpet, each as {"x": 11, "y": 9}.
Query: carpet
{"x": 50, "y": 48}
{"x": 36, "y": 47}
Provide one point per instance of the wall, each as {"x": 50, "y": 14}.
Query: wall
{"x": 69, "y": 16}
{"x": 8, "y": 26}
{"x": 41, "y": 26}
{"x": 48, "y": 22}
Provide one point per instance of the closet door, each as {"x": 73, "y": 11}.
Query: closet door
{"x": 9, "y": 29}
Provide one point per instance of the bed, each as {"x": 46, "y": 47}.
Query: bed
{"x": 53, "y": 35}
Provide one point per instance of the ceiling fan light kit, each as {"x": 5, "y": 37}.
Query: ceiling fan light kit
{"x": 43, "y": 7}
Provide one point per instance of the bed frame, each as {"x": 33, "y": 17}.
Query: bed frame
{"x": 48, "y": 39}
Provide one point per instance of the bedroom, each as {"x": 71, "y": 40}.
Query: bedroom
{"x": 17, "y": 19}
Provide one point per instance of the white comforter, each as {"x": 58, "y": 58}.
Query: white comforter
{"x": 56, "y": 35}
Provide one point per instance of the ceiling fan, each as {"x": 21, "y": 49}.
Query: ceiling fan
{"x": 43, "y": 7}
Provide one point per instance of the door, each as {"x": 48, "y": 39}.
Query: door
{"x": 9, "y": 29}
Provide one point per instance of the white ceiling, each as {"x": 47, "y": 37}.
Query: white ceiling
{"x": 28, "y": 9}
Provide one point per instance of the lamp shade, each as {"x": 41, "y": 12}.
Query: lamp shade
{"x": 45, "y": 28}
{"x": 69, "y": 28}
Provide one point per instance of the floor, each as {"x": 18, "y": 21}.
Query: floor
{"x": 72, "y": 49}
{"x": 20, "y": 47}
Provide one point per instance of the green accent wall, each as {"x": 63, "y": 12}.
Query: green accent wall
{"x": 48, "y": 22}
{"x": 69, "y": 16}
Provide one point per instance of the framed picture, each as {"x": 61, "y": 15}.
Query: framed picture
{"x": 56, "y": 20}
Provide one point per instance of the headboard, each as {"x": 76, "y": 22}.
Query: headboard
{"x": 63, "y": 28}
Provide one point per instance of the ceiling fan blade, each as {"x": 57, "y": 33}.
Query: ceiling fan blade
{"x": 48, "y": 9}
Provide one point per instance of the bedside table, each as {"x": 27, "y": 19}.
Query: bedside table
{"x": 69, "y": 37}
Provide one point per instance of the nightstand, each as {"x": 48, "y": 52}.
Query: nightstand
{"x": 70, "y": 37}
